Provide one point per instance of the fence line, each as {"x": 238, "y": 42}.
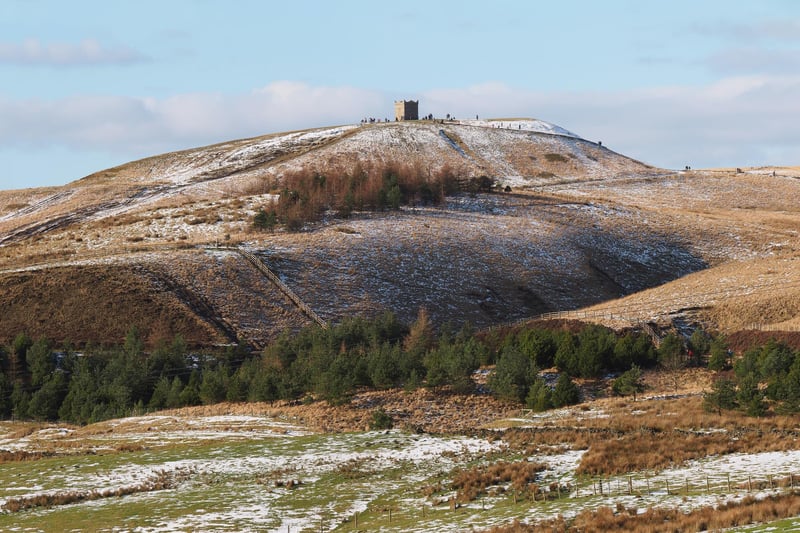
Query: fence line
{"x": 639, "y": 485}
{"x": 264, "y": 269}
{"x": 664, "y": 484}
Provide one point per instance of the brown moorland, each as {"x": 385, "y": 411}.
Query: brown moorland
{"x": 583, "y": 228}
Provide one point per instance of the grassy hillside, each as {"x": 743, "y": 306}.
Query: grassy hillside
{"x": 570, "y": 225}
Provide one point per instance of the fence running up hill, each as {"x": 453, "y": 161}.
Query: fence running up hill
{"x": 264, "y": 269}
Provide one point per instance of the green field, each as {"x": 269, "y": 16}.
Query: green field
{"x": 253, "y": 473}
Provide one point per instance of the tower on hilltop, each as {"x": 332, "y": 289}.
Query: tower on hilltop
{"x": 406, "y": 110}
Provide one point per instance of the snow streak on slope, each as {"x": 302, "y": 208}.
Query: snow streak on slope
{"x": 521, "y": 153}
{"x": 183, "y": 168}
{"x": 535, "y": 125}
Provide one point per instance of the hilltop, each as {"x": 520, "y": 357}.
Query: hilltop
{"x": 568, "y": 224}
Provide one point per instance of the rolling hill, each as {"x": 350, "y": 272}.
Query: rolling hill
{"x": 167, "y": 243}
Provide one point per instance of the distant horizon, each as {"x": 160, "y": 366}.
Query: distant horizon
{"x": 88, "y": 85}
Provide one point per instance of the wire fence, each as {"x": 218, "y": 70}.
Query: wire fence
{"x": 651, "y": 489}
{"x": 264, "y": 269}
{"x": 677, "y": 485}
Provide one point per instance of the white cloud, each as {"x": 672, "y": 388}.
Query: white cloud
{"x": 85, "y": 52}
{"x": 755, "y": 60}
{"x": 137, "y": 125}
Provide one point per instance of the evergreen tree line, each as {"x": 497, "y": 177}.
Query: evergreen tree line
{"x": 98, "y": 383}
{"x": 589, "y": 353}
{"x": 763, "y": 377}
{"x": 38, "y": 382}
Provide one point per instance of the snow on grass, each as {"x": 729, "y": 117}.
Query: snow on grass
{"x": 534, "y": 125}
{"x": 237, "y": 156}
{"x": 489, "y": 242}
{"x": 233, "y": 470}
{"x": 217, "y": 472}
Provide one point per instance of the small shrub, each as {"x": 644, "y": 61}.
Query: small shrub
{"x": 566, "y": 392}
{"x": 629, "y": 383}
{"x": 265, "y": 220}
{"x": 380, "y": 420}
{"x": 555, "y": 158}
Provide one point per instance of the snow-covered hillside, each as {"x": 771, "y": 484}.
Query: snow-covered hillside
{"x": 579, "y": 226}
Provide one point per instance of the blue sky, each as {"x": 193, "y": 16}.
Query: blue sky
{"x": 85, "y": 85}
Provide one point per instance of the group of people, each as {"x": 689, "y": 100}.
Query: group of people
{"x": 372, "y": 120}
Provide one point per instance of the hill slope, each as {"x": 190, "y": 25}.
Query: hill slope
{"x": 582, "y": 225}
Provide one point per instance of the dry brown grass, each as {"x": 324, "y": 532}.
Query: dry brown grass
{"x": 420, "y": 410}
{"x": 654, "y": 434}
{"x": 90, "y": 299}
{"x": 742, "y": 225}
{"x": 472, "y": 483}
{"x": 658, "y": 520}
{"x": 16, "y": 456}
{"x": 161, "y": 480}
{"x": 656, "y": 450}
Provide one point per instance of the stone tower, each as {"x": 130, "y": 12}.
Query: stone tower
{"x": 406, "y": 110}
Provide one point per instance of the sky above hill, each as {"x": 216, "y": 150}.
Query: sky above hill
{"x": 85, "y": 85}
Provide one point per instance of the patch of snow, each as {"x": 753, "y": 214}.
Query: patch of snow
{"x": 534, "y": 125}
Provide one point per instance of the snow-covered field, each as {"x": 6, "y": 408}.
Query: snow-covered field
{"x": 247, "y": 473}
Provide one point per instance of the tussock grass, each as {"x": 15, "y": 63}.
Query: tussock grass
{"x": 659, "y": 520}
{"x": 15, "y": 456}
{"x": 656, "y": 435}
{"x": 161, "y": 480}
{"x": 472, "y": 483}
{"x": 656, "y": 451}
